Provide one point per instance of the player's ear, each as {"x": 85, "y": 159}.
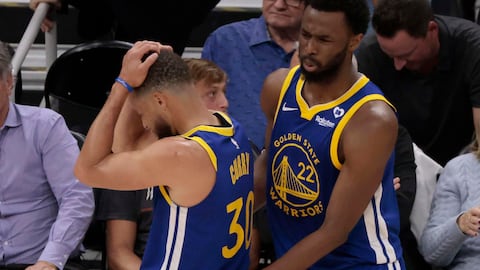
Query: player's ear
{"x": 355, "y": 42}
{"x": 160, "y": 98}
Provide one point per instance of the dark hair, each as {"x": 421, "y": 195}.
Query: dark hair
{"x": 356, "y": 12}
{"x": 391, "y": 16}
{"x": 167, "y": 73}
{"x": 202, "y": 69}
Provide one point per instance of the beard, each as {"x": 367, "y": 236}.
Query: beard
{"x": 325, "y": 72}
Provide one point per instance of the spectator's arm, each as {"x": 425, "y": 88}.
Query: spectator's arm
{"x": 405, "y": 170}
{"x": 442, "y": 238}
{"x": 75, "y": 200}
{"x": 121, "y": 235}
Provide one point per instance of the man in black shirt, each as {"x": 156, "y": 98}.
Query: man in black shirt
{"x": 429, "y": 68}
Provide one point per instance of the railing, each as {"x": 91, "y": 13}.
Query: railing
{"x": 29, "y": 37}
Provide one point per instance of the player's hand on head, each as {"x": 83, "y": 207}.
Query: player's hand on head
{"x": 139, "y": 59}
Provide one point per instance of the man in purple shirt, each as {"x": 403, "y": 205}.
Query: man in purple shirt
{"x": 44, "y": 210}
{"x": 250, "y": 50}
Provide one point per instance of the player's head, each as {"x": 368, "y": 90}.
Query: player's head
{"x": 330, "y": 31}
{"x": 211, "y": 83}
{"x": 168, "y": 86}
{"x": 6, "y": 79}
{"x": 406, "y": 31}
{"x": 283, "y": 15}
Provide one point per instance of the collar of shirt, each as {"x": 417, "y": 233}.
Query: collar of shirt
{"x": 260, "y": 33}
{"x": 13, "y": 119}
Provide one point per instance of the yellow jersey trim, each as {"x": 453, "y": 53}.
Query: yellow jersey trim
{"x": 309, "y": 112}
{"x": 285, "y": 86}
{"x": 211, "y": 154}
{"x": 343, "y": 122}
{"x": 165, "y": 195}
{"x": 225, "y": 131}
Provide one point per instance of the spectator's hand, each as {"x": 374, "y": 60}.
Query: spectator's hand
{"x": 134, "y": 70}
{"x": 47, "y": 23}
{"x": 34, "y": 3}
{"x": 42, "y": 265}
{"x": 396, "y": 183}
{"x": 469, "y": 222}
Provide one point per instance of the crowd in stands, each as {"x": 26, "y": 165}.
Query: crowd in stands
{"x": 331, "y": 103}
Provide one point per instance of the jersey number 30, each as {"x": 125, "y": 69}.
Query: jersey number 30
{"x": 242, "y": 235}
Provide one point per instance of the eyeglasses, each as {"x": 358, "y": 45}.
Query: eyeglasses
{"x": 291, "y": 3}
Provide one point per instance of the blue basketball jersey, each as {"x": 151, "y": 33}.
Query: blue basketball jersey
{"x": 303, "y": 169}
{"x": 216, "y": 233}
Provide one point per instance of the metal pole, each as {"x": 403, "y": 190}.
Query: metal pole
{"x": 28, "y": 38}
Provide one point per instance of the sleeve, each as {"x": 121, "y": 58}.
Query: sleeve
{"x": 113, "y": 204}
{"x": 405, "y": 169}
{"x": 75, "y": 200}
{"x": 442, "y": 238}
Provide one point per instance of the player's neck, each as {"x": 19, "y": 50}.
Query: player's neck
{"x": 193, "y": 115}
{"x": 320, "y": 92}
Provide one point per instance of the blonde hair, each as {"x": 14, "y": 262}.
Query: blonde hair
{"x": 202, "y": 69}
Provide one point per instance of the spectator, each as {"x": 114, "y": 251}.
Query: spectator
{"x": 329, "y": 157}
{"x": 429, "y": 68}
{"x": 248, "y": 51}
{"x": 128, "y": 214}
{"x": 167, "y": 21}
{"x": 45, "y": 211}
{"x": 450, "y": 238}
{"x": 202, "y": 173}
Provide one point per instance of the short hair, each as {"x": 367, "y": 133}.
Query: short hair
{"x": 5, "y": 60}
{"x": 168, "y": 72}
{"x": 202, "y": 69}
{"x": 412, "y": 16}
{"x": 356, "y": 12}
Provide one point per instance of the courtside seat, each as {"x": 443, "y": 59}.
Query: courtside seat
{"x": 79, "y": 81}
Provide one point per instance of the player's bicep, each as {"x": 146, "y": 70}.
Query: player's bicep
{"x": 367, "y": 145}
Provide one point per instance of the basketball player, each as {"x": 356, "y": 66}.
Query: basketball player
{"x": 330, "y": 137}
{"x": 202, "y": 174}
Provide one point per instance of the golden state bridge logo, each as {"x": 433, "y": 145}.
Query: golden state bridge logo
{"x": 296, "y": 186}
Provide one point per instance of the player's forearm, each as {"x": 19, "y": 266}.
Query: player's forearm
{"x": 99, "y": 140}
{"x": 128, "y": 129}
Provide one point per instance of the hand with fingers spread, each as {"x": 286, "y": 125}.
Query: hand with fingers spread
{"x": 134, "y": 66}
{"x": 469, "y": 222}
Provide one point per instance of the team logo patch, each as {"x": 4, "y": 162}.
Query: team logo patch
{"x": 296, "y": 185}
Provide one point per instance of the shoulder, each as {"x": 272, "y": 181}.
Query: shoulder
{"x": 41, "y": 117}
{"x": 463, "y": 162}
{"x": 370, "y": 56}
{"x": 239, "y": 28}
{"x": 176, "y": 149}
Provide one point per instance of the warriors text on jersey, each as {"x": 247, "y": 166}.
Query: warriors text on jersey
{"x": 216, "y": 233}
{"x": 303, "y": 168}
